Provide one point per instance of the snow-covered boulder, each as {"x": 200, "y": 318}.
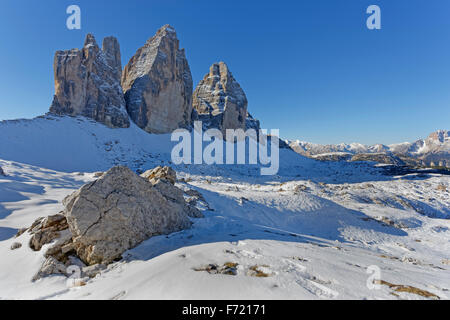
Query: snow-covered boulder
{"x": 117, "y": 212}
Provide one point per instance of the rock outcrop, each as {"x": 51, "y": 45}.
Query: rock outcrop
{"x": 219, "y": 101}
{"x": 87, "y": 83}
{"x": 117, "y": 212}
{"x": 252, "y": 123}
{"x": 45, "y": 230}
{"x": 158, "y": 85}
{"x": 2, "y": 173}
{"x": 160, "y": 173}
{"x": 163, "y": 179}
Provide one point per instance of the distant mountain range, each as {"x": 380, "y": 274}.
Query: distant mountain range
{"x": 433, "y": 151}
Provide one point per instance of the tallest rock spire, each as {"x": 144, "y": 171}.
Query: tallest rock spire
{"x": 158, "y": 85}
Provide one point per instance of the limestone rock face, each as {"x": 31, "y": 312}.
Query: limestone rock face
{"x": 158, "y": 85}
{"x": 116, "y": 213}
{"x": 160, "y": 173}
{"x": 45, "y": 230}
{"x": 252, "y": 123}
{"x": 49, "y": 267}
{"x": 219, "y": 100}
{"x": 87, "y": 83}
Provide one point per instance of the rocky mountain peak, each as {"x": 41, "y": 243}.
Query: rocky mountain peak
{"x": 111, "y": 50}
{"x": 87, "y": 83}
{"x": 439, "y": 136}
{"x": 158, "y": 85}
{"x": 90, "y": 40}
{"x": 219, "y": 100}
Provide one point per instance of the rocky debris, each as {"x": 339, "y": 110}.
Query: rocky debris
{"x": 336, "y": 156}
{"x": 219, "y": 101}
{"x": 252, "y": 123}
{"x": 228, "y": 268}
{"x": 160, "y": 173}
{"x": 20, "y": 232}
{"x": 62, "y": 248}
{"x": 158, "y": 85}
{"x": 300, "y": 188}
{"x": 408, "y": 289}
{"x": 259, "y": 271}
{"x": 16, "y": 245}
{"x": 87, "y": 83}
{"x": 163, "y": 179}
{"x": 195, "y": 194}
{"x": 50, "y": 266}
{"x": 384, "y": 158}
{"x": 194, "y": 198}
{"x": 118, "y": 211}
{"x": 92, "y": 271}
{"x": 45, "y": 230}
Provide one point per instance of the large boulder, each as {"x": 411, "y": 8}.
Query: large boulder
{"x": 219, "y": 101}
{"x": 117, "y": 212}
{"x": 87, "y": 83}
{"x": 158, "y": 85}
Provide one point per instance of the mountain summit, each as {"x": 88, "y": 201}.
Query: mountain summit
{"x": 158, "y": 85}
{"x": 87, "y": 83}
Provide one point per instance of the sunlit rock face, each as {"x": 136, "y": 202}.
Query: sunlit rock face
{"x": 219, "y": 100}
{"x": 87, "y": 83}
{"x": 158, "y": 85}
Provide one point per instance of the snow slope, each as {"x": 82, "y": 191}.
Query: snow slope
{"x": 314, "y": 230}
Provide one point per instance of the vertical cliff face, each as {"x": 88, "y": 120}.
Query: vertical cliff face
{"x": 87, "y": 83}
{"x": 158, "y": 85}
{"x": 219, "y": 100}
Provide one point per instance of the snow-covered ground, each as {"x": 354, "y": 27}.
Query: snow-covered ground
{"x": 316, "y": 230}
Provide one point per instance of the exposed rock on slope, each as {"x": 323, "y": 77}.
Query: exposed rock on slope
{"x": 87, "y": 83}
{"x": 158, "y": 85}
{"x": 219, "y": 100}
{"x": 160, "y": 173}
{"x": 384, "y": 158}
{"x": 252, "y": 123}
{"x": 163, "y": 179}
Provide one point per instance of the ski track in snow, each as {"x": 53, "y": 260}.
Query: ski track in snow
{"x": 312, "y": 230}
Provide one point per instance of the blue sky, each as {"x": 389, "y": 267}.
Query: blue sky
{"x": 309, "y": 67}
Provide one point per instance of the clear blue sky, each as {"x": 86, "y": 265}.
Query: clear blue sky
{"x": 309, "y": 67}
